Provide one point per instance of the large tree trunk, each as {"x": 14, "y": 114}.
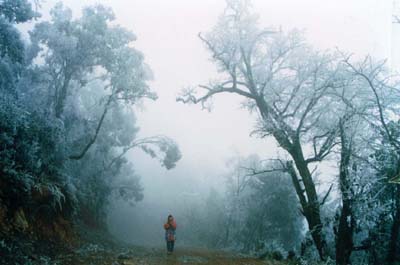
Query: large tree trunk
{"x": 61, "y": 96}
{"x": 312, "y": 208}
{"x": 308, "y": 197}
{"x": 309, "y": 202}
{"x": 394, "y": 243}
{"x": 344, "y": 236}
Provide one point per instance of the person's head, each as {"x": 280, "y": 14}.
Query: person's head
{"x": 170, "y": 218}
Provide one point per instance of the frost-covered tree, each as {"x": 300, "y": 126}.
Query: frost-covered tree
{"x": 76, "y": 52}
{"x": 31, "y": 146}
{"x": 87, "y": 49}
{"x": 87, "y": 76}
{"x": 12, "y": 48}
{"x": 289, "y": 85}
{"x": 67, "y": 118}
{"x": 380, "y": 153}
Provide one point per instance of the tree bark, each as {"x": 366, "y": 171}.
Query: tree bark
{"x": 312, "y": 208}
{"x": 344, "y": 237}
{"x": 309, "y": 201}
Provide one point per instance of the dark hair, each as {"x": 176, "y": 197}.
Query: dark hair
{"x": 169, "y": 216}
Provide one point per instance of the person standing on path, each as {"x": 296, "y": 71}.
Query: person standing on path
{"x": 170, "y": 227}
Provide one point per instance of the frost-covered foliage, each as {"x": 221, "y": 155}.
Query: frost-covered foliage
{"x": 31, "y": 145}
{"x": 12, "y": 48}
{"x": 377, "y": 201}
{"x": 262, "y": 209}
{"x": 67, "y": 119}
{"x": 76, "y": 52}
{"x": 257, "y": 214}
{"x": 31, "y": 156}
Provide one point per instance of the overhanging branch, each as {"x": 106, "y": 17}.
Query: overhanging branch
{"x": 81, "y": 154}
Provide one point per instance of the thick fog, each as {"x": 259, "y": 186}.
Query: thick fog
{"x": 167, "y": 34}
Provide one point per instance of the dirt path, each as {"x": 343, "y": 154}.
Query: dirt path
{"x": 157, "y": 256}
{"x": 194, "y": 256}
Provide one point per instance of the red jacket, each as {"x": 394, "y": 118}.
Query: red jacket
{"x": 170, "y": 231}
{"x": 170, "y": 226}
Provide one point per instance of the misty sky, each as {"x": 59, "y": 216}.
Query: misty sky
{"x": 167, "y": 35}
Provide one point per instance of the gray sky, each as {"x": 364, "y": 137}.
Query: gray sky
{"x": 167, "y": 35}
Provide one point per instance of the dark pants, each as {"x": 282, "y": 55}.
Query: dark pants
{"x": 170, "y": 246}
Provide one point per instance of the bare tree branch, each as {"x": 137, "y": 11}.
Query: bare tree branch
{"x": 370, "y": 83}
{"x": 326, "y": 195}
{"x": 81, "y": 154}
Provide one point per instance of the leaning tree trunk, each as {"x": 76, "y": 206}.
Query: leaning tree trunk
{"x": 312, "y": 210}
{"x": 308, "y": 195}
{"x": 344, "y": 236}
{"x": 309, "y": 200}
